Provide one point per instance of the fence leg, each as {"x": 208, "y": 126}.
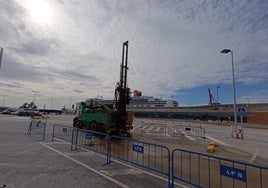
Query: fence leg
{"x": 170, "y": 172}
{"x": 204, "y": 134}
{"x": 30, "y": 129}
{"x": 74, "y": 139}
{"x": 44, "y": 133}
{"x": 53, "y": 133}
{"x": 108, "y": 161}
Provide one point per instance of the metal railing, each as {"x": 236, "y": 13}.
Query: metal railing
{"x": 37, "y": 127}
{"x": 90, "y": 140}
{"x": 150, "y": 156}
{"x": 177, "y": 130}
{"x": 195, "y": 131}
{"x": 193, "y": 169}
{"x": 62, "y": 132}
{"x": 201, "y": 170}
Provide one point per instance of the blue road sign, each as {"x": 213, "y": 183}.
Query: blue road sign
{"x": 88, "y": 136}
{"x": 137, "y": 148}
{"x": 64, "y": 130}
{"x": 241, "y": 110}
{"x": 234, "y": 173}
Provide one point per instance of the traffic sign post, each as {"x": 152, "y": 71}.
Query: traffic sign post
{"x": 240, "y": 130}
{"x": 241, "y": 112}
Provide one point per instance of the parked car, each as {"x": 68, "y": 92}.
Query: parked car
{"x": 2, "y": 109}
{"x": 31, "y": 112}
{"x": 24, "y": 112}
{"x": 9, "y": 110}
{"x": 19, "y": 112}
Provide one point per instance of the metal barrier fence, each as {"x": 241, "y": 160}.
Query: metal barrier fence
{"x": 37, "y": 127}
{"x": 90, "y": 140}
{"x": 178, "y": 130}
{"x": 191, "y": 168}
{"x": 147, "y": 155}
{"x": 201, "y": 170}
{"x": 195, "y": 131}
{"x": 153, "y": 130}
{"x": 161, "y": 130}
{"x": 62, "y": 132}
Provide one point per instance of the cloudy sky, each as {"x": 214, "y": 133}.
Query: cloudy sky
{"x": 63, "y": 51}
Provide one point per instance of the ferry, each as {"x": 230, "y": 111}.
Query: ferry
{"x": 149, "y": 101}
{"x": 143, "y": 101}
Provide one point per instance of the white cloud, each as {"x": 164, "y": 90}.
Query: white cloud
{"x": 257, "y": 96}
{"x": 173, "y": 45}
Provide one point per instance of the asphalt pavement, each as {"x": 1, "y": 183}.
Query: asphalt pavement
{"x": 27, "y": 161}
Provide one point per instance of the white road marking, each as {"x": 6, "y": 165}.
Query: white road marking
{"x": 144, "y": 127}
{"x": 254, "y": 156}
{"x": 120, "y": 172}
{"x": 129, "y": 166}
{"x": 137, "y": 127}
{"x": 216, "y": 140}
{"x": 166, "y": 134}
{"x": 187, "y": 136}
{"x": 150, "y": 129}
{"x": 146, "y": 172}
{"x": 87, "y": 167}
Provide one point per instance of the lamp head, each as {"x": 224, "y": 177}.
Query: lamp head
{"x": 225, "y": 51}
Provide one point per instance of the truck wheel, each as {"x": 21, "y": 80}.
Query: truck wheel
{"x": 102, "y": 128}
{"x": 76, "y": 123}
{"x": 129, "y": 135}
{"x": 93, "y": 126}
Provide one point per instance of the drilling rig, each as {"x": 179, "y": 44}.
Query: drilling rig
{"x": 113, "y": 119}
{"x": 122, "y": 95}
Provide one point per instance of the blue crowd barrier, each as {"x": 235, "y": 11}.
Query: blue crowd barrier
{"x": 195, "y": 131}
{"x": 90, "y": 140}
{"x": 190, "y": 168}
{"x": 37, "y": 127}
{"x": 150, "y": 156}
{"x": 202, "y": 170}
{"x": 62, "y": 132}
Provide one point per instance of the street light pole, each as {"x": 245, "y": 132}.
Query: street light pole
{"x": 225, "y": 51}
{"x": 218, "y": 93}
{"x": 248, "y": 107}
{"x": 1, "y": 55}
{"x": 4, "y": 96}
{"x": 35, "y": 92}
{"x": 248, "y": 102}
{"x": 51, "y": 103}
